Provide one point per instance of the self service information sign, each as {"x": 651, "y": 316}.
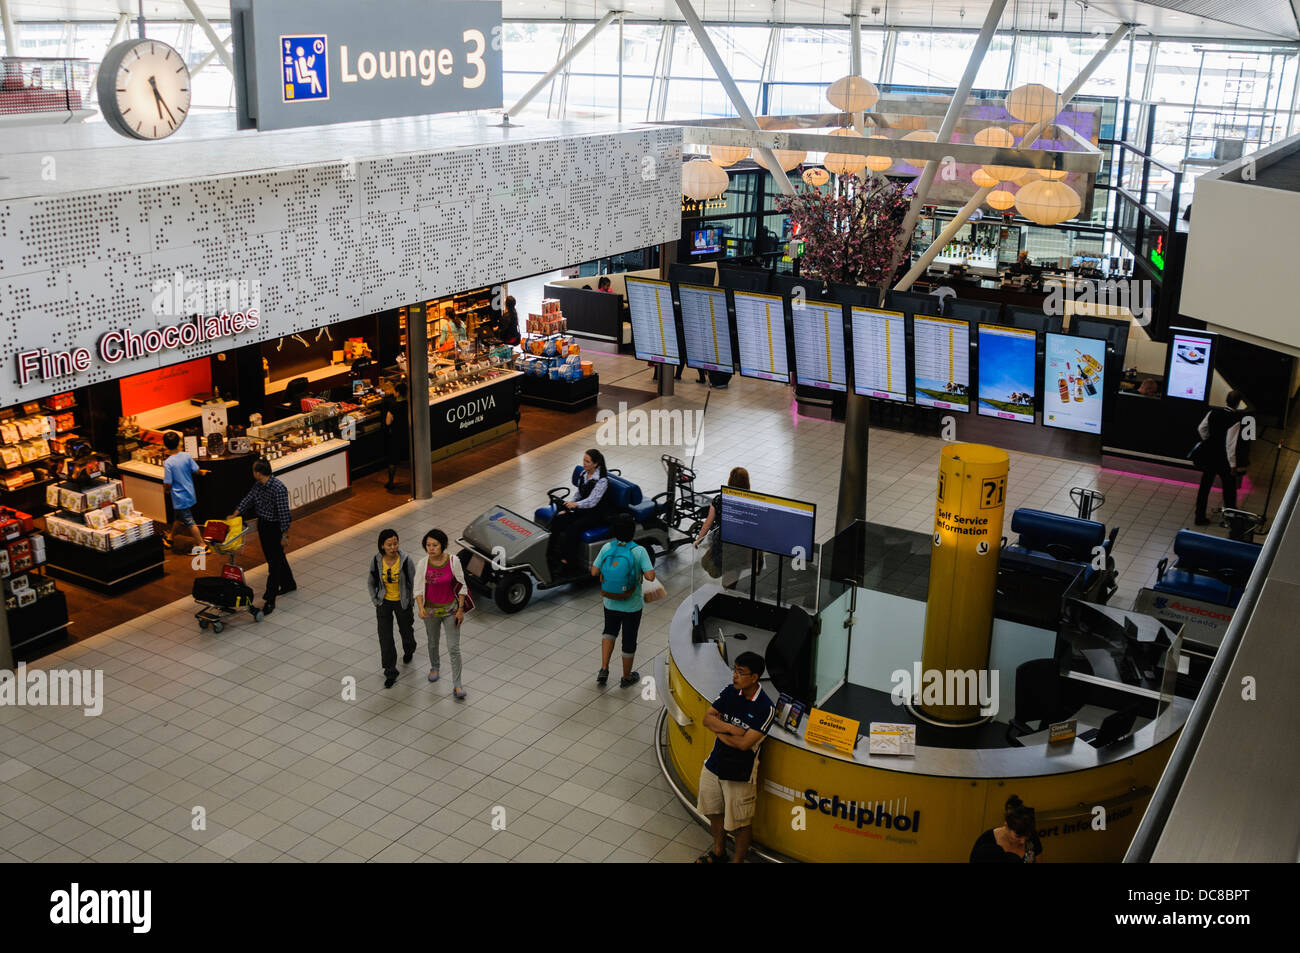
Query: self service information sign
{"x": 313, "y": 62}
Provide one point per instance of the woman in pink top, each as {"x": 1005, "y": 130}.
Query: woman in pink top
{"x": 440, "y": 595}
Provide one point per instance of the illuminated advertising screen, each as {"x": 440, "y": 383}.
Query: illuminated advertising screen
{"x": 1188, "y": 374}
{"x": 941, "y": 355}
{"x": 1074, "y": 375}
{"x": 819, "y": 345}
{"x": 879, "y": 354}
{"x": 1008, "y": 368}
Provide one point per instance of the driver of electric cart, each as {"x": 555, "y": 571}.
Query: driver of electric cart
{"x": 589, "y": 507}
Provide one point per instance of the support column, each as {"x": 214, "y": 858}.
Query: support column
{"x": 733, "y": 91}
{"x": 202, "y": 21}
{"x": 11, "y": 29}
{"x": 417, "y": 363}
{"x": 560, "y": 64}
{"x": 123, "y": 26}
{"x": 851, "y": 504}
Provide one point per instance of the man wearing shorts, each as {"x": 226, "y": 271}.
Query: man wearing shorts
{"x": 178, "y": 480}
{"x": 740, "y": 718}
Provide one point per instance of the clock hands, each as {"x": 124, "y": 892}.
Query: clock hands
{"x": 161, "y": 104}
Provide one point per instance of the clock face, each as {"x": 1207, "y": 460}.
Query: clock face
{"x": 150, "y": 94}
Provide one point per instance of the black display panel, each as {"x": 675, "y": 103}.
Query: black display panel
{"x": 760, "y": 334}
{"x": 1008, "y": 372}
{"x": 818, "y": 332}
{"x": 654, "y": 329}
{"x": 706, "y": 328}
{"x": 879, "y": 353}
{"x": 773, "y": 524}
{"x": 941, "y": 363}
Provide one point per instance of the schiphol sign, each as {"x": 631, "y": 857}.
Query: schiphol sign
{"x": 314, "y": 62}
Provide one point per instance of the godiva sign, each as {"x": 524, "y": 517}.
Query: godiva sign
{"x": 42, "y": 364}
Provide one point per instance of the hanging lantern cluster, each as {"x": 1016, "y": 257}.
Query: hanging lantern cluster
{"x": 787, "y": 159}
{"x": 845, "y": 163}
{"x": 702, "y": 179}
{"x": 816, "y": 176}
{"x": 727, "y": 155}
{"x": 853, "y": 94}
{"x": 920, "y": 135}
{"x": 1048, "y": 202}
{"x": 1033, "y": 102}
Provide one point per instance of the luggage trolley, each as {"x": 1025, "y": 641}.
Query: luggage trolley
{"x": 221, "y": 597}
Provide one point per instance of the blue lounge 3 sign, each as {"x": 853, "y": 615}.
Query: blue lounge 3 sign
{"x": 305, "y": 60}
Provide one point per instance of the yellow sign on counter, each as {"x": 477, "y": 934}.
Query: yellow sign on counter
{"x": 833, "y": 731}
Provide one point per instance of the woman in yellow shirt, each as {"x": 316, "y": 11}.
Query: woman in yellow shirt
{"x": 391, "y": 582}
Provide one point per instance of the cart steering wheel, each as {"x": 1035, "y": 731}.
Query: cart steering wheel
{"x": 557, "y": 497}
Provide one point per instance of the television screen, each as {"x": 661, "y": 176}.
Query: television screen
{"x": 1188, "y": 373}
{"x": 706, "y": 328}
{"x": 707, "y": 241}
{"x": 773, "y": 524}
{"x": 760, "y": 332}
{"x": 941, "y": 361}
{"x": 1074, "y": 375}
{"x": 819, "y": 345}
{"x": 879, "y": 354}
{"x": 1008, "y": 367}
{"x": 654, "y": 332}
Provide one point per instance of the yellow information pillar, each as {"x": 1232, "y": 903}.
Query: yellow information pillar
{"x": 963, "y": 572}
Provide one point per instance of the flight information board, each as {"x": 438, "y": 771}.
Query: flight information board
{"x": 1008, "y": 369}
{"x": 706, "y": 328}
{"x": 941, "y": 352}
{"x": 774, "y": 524}
{"x": 760, "y": 332}
{"x": 879, "y": 354}
{"x": 654, "y": 332}
{"x": 819, "y": 346}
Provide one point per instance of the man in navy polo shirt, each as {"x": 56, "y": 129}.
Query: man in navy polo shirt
{"x": 740, "y": 718}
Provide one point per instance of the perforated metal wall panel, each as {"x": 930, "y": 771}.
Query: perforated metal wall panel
{"x": 325, "y": 242}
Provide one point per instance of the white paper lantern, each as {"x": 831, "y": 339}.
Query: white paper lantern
{"x": 1026, "y": 176}
{"x": 815, "y": 176}
{"x": 787, "y": 159}
{"x": 727, "y": 155}
{"x": 1001, "y": 199}
{"x": 879, "y": 163}
{"x": 701, "y": 180}
{"x": 1048, "y": 203}
{"x": 1033, "y": 102}
{"x": 983, "y": 179}
{"x": 920, "y": 135}
{"x": 845, "y": 163}
{"x": 995, "y": 136}
{"x": 853, "y": 94}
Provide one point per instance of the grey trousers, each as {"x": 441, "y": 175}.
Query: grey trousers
{"x": 433, "y": 627}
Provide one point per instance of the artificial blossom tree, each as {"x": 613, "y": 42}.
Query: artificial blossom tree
{"x": 850, "y": 232}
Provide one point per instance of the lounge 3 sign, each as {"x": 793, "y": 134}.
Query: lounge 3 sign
{"x": 300, "y": 63}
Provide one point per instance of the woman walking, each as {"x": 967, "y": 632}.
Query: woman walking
{"x": 391, "y": 582}
{"x": 440, "y": 594}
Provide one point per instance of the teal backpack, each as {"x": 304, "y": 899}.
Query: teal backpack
{"x": 618, "y": 572}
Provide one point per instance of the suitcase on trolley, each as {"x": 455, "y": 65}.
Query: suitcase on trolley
{"x": 222, "y": 592}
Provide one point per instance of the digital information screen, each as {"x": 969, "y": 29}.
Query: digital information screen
{"x": 760, "y": 332}
{"x": 773, "y": 524}
{"x": 706, "y": 328}
{"x": 819, "y": 346}
{"x": 879, "y": 354}
{"x": 1189, "y": 367}
{"x": 654, "y": 333}
{"x": 941, "y": 351}
{"x": 1074, "y": 375}
{"x": 1008, "y": 368}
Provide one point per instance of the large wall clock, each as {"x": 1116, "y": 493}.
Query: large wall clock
{"x": 144, "y": 89}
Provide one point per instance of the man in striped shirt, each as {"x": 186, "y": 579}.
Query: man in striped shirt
{"x": 269, "y": 501}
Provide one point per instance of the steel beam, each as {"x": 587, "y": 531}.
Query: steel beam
{"x": 203, "y": 63}
{"x": 561, "y": 63}
{"x": 206, "y": 27}
{"x": 733, "y": 92}
{"x": 123, "y": 24}
{"x": 11, "y": 29}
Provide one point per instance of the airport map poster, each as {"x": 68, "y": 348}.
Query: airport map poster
{"x": 1073, "y": 378}
{"x": 1007, "y": 365}
{"x": 941, "y": 348}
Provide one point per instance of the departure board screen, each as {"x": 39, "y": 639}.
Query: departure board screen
{"x": 819, "y": 345}
{"x": 1008, "y": 372}
{"x": 706, "y": 328}
{"x": 654, "y": 332}
{"x": 879, "y": 354}
{"x": 760, "y": 332}
{"x": 941, "y": 356}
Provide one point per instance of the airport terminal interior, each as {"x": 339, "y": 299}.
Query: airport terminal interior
{"x": 903, "y": 338}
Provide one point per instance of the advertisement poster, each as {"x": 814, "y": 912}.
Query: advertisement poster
{"x": 1189, "y": 368}
{"x": 1073, "y": 377}
{"x": 1007, "y": 371}
{"x": 942, "y": 350}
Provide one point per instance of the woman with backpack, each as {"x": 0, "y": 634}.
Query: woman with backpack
{"x": 440, "y": 594}
{"x": 621, "y": 565}
{"x": 391, "y": 582}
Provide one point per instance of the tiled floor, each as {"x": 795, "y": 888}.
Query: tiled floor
{"x": 253, "y": 727}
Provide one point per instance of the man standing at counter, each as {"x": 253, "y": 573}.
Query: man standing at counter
{"x": 740, "y": 718}
{"x": 269, "y": 499}
{"x": 178, "y": 480}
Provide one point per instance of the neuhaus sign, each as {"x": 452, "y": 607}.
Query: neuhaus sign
{"x": 313, "y": 62}
{"x": 42, "y": 364}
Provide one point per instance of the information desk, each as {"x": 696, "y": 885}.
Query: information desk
{"x": 475, "y": 414}
{"x": 310, "y": 475}
{"x": 928, "y": 807}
